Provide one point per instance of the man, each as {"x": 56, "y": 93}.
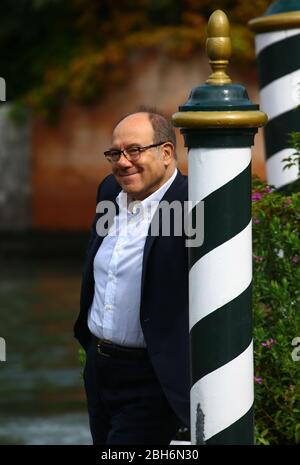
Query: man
{"x": 133, "y": 321}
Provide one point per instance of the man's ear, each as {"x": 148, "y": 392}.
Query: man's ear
{"x": 168, "y": 152}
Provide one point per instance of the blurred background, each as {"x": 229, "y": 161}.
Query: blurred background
{"x": 72, "y": 68}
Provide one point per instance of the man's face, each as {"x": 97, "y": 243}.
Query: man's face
{"x": 144, "y": 176}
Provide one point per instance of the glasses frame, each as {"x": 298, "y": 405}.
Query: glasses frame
{"x": 107, "y": 153}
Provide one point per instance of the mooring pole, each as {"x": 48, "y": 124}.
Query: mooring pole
{"x": 278, "y": 56}
{"x": 218, "y": 123}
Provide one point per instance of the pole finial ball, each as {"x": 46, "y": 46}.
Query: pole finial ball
{"x": 218, "y": 47}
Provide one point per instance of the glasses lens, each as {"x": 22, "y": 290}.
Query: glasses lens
{"x": 133, "y": 153}
{"x": 112, "y": 155}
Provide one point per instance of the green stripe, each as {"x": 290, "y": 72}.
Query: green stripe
{"x": 290, "y": 188}
{"x": 278, "y": 59}
{"x": 278, "y": 129}
{"x": 227, "y": 211}
{"x": 239, "y": 433}
{"x": 220, "y": 137}
{"x": 221, "y": 336}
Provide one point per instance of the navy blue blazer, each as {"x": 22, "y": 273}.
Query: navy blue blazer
{"x": 164, "y": 299}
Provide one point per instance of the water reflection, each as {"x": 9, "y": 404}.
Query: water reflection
{"x": 65, "y": 429}
{"x": 41, "y": 393}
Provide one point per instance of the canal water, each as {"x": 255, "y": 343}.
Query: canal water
{"x": 42, "y": 397}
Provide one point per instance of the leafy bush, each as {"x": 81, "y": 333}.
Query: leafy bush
{"x": 294, "y": 159}
{"x": 53, "y": 52}
{"x": 276, "y": 305}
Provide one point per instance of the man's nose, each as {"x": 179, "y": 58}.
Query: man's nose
{"x": 122, "y": 162}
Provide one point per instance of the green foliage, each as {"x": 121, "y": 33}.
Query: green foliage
{"x": 82, "y": 359}
{"x": 58, "y": 51}
{"x": 276, "y": 305}
{"x": 35, "y": 35}
{"x": 294, "y": 159}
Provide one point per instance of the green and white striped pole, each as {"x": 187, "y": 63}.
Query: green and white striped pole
{"x": 277, "y": 44}
{"x": 218, "y": 123}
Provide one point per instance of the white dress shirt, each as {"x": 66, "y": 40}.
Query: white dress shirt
{"x": 115, "y": 311}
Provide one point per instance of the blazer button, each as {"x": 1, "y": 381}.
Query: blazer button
{"x": 146, "y": 320}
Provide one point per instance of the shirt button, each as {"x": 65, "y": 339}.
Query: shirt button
{"x": 108, "y": 307}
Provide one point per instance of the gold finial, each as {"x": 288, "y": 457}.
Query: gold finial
{"x": 218, "y": 47}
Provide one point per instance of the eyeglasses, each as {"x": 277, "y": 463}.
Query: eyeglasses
{"x": 132, "y": 153}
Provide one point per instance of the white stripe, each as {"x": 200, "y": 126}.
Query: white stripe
{"x": 211, "y": 168}
{"x": 224, "y": 395}
{"x": 220, "y": 276}
{"x": 281, "y": 95}
{"x": 268, "y": 38}
{"x": 275, "y": 174}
